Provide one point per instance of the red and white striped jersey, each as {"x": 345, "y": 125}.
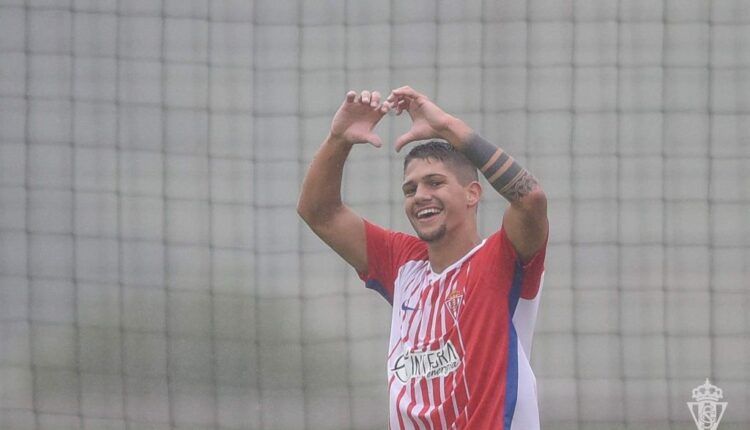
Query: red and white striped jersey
{"x": 461, "y": 339}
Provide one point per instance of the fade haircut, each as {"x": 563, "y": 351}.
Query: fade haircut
{"x": 445, "y": 152}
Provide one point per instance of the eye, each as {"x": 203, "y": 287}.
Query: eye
{"x": 409, "y": 191}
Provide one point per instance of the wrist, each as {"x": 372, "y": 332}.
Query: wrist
{"x": 338, "y": 140}
{"x": 456, "y": 132}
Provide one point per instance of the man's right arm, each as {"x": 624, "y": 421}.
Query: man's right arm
{"x": 320, "y": 204}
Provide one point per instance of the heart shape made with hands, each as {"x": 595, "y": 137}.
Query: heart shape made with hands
{"x": 361, "y": 112}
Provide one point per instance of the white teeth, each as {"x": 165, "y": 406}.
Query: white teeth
{"x": 426, "y": 212}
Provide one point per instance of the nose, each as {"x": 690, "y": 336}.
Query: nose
{"x": 422, "y": 193}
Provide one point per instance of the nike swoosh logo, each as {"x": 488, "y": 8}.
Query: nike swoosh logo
{"x": 407, "y": 308}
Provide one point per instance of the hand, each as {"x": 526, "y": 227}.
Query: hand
{"x": 428, "y": 120}
{"x": 357, "y": 117}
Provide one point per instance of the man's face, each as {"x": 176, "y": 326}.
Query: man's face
{"x": 434, "y": 199}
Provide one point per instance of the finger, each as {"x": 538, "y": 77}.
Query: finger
{"x": 399, "y": 102}
{"x": 406, "y": 91}
{"x": 393, "y": 97}
{"x": 350, "y": 96}
{"x": 404, "y": 139}
{"x": 375, "y": 99}
{"x": 401, "y": 106}
{"x": 366, "y": 97}
{"x": 395, "y": 101}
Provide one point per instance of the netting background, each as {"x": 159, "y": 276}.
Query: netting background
{"x": 153, "y": 271}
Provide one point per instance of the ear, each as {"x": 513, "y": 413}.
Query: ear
{"x": 473, "y": 194}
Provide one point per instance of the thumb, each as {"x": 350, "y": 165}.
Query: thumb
{"x": 406, "y": 138}
{"x": 374, "y": 140}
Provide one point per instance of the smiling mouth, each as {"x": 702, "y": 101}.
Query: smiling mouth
{"x": 428, "y": 213}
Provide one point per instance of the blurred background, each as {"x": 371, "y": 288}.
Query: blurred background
{"x": 154, "y": 273}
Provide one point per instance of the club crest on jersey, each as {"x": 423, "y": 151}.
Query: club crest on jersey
{"x": 453, "y": 303}
{"x": 426, "y": 364}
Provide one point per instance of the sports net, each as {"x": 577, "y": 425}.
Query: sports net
{"x": 153, "y": 271}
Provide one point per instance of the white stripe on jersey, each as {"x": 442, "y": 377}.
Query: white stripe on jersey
{"x": 526, "y": 415}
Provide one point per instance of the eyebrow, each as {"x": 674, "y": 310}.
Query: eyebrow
{"x": 425, "y": 177}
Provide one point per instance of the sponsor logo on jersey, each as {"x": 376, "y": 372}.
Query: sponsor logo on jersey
{"x": 405, "y": 308}
{"x": 426, "y": 364}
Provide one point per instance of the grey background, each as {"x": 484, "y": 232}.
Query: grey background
{"x": 153, "y": 271}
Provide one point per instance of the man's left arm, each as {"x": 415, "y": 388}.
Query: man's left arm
{"x": 525, "y": 221}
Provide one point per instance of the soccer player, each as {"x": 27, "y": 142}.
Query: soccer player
{"x": 463, "y": 307}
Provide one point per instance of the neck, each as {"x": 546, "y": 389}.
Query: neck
{"x": 448, "y": 250}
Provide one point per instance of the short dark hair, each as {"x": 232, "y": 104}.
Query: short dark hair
{"x": 445, "y": 152}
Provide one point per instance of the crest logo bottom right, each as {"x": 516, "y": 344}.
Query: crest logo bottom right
{"x": 707, "y": 410}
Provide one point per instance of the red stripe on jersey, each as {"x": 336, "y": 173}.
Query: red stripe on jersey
{"x": 398, "y": 408}
{"x": 451, "y": 411}
{"x": 413, "y": 333}
{"x": 412, "y": 404}
{"x": 429, "y": 336}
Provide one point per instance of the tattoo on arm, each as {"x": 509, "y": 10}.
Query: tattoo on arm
{"x": 509, "y": 178}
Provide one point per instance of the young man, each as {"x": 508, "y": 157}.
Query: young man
{"x": 463, "y": 308}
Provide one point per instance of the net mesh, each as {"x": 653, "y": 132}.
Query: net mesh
{"x": 154, "y": 273}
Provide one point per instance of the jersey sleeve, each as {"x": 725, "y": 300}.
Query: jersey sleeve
{"x": 510, "y": 261}
{"x": 387, "y": 251}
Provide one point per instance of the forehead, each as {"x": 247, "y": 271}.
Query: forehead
{"x": 419, "y": 168}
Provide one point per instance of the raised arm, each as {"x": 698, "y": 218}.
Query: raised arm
{"x": 320, "y": 204}
{"x": 525, "y": 221}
